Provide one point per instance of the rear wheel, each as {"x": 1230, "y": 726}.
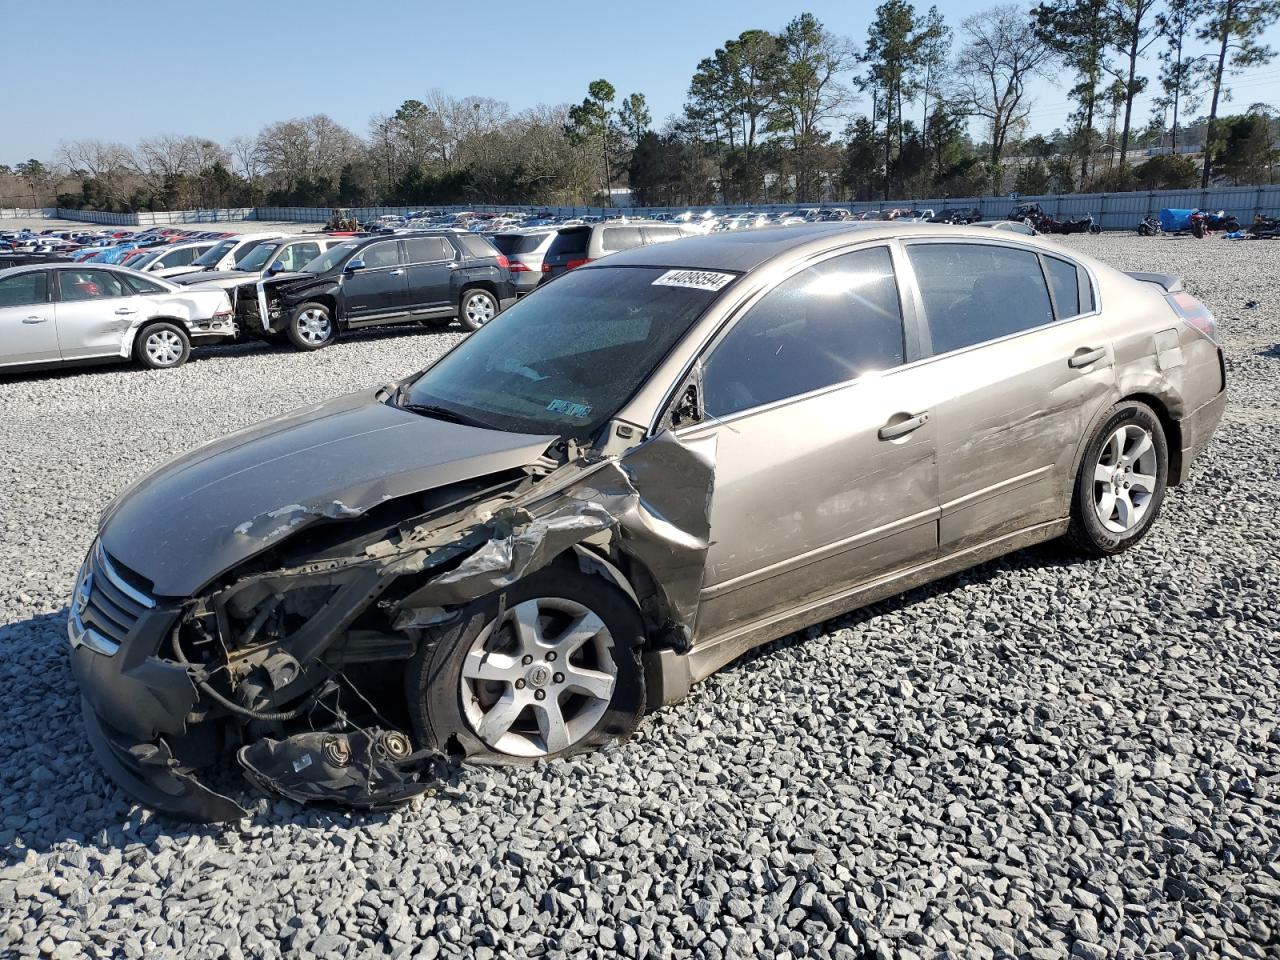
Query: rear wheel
{"x": 1122, "y": 481}
{"x": 477, "y": 308}
{"x": 311, "y": 326}
{"x": 163, "y": 346}
{"x": 556, "y": 671}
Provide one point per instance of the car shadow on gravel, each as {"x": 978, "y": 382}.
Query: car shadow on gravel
{"x": 54, "y": 794}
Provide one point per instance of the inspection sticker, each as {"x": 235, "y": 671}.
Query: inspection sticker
{"x": 693, "y": 279}
{"x": 579, "y": 411}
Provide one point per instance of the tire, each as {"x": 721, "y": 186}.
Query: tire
{"x": 162, "y": 346}
{"x": 1144, "y": 230}
{"x": 1101, "y": 490}
{"x": 311, "y": 326}
{"x": 477, "y": 307}
{"x": 1197, "y": 229}
{"x": 1231, "y": 225}
{"x": 1095, "y": 228}
{"x": 452, "y": 707}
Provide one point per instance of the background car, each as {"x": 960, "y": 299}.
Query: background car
{"x": 524, "y": 250}
{"x": 62, "y": 313}
{"x": 173, "y": 260}
{"x": 267, "y": 259}
{"x": 226, "y": 253}
{"x": 362, "y": 282}
{"x": 576, "y": 246}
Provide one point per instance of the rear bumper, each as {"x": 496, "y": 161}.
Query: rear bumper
{"x": 1196, "y": 429}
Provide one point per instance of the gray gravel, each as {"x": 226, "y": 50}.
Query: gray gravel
{"x": 1039, "y": 758}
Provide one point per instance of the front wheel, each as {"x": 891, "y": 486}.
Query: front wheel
{"x": 477, "y": 308}
{"x": 1095, "y": 228}
{"x": 1144, "y": 230}
{"x": 311, "y": 327}
{"x": 553, "y": 670}
{"x": 163, "y": 346}
{"x": 1121, "y": 482}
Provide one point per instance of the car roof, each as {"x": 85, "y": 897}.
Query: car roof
{"x": 744, "y": 250}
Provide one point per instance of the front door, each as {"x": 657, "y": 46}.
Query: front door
{"x": 430, "y": 264}
{"x": 95, "y": 310}
{"x": 825, "y": 472}
{"x": 378, "y": 290}
{"x": 28, "y": 333}
{"x": 1024, "y": 362}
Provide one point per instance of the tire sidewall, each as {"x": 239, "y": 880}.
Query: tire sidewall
{"x": 433, "y": 680}
{"x": 467, "y": 297}
{"x": 297, "y": 339}
{"x": 151, "y": 330}
{"x": 1086, "y": 527}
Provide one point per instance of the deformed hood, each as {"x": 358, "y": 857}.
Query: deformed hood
{"x": 201, "y": 514}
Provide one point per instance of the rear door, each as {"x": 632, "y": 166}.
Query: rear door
{"x": 28, "y": 333}
{"x": 95, "y": 309}
{"x": 1023, "y": 364}
{"x": 429, "y": 263}
{"x": 378, "y": 290}
{"x": 825, "y": 473}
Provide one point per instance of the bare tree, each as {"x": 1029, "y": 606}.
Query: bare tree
{"x": 110, "y": 164}
{"x": 1000, "y": 52}
{"x": 246, "y": 157}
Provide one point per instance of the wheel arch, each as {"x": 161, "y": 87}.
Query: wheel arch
{"x": 130, "y": 348}
{"x": 478, "y": 283}
{"x": 1172, "y": 431}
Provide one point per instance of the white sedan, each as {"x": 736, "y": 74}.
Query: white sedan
{"x": 56, "y": 313}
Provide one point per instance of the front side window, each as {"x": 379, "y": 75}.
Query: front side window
{"x": 428, "y": 249}
{"x": 827, "y": 324}
{"x": 564, "y": 362}
{"x": 331, "y": 258}
{"x": 298, "y": 255}
{"x": 24, "y": 289}
{"x": 975, "y": 292}
{"x": 381, "y": 255}
{"x": 76, "y": 285}
{"x": 177, "y": 258}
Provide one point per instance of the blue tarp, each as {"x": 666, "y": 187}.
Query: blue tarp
{"x": 1173, "y": 220}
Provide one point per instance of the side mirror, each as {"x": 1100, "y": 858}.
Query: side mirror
{"x": 354, "y": 265}
{"x": 687, "y": 405}
{"x": 275, "y": 267}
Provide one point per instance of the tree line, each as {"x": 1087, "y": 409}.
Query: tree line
{"x": 919, "y": 107}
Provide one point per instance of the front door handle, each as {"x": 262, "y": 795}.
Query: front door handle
{"x": 1084, "y": 356}
{"x": 36, "y": 320}
{"x": 891, "y": 431}
{"x": 125, "y": 310}
{"x": 396, "y": 273}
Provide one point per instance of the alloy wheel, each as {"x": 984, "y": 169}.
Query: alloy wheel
{"x": 314, "y": 326}
{"x": 480, "y": 309}
{"x": 539, "y": 680}
{"x": 1124, "y": 478}
{"x": 164, "y": 348}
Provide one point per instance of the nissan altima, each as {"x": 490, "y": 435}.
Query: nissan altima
{"x": 618, "y": 486}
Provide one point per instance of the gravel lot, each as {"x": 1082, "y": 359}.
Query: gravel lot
{"x": 1039, "y": 758}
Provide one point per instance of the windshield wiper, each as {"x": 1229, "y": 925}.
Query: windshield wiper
{"x": 443, "y": 413}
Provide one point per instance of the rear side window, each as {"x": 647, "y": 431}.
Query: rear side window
{"x": 833, "y": 322}
{"x": 428, "y": 249}
{"x": 975, "y": 292}
{"x": 25, "y": 288}
{"x": 613, "y": 239}
{"x": 475, "y": 246}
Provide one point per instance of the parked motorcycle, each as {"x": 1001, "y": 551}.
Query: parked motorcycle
{"x": 1085, "y": 224}
{"x": 1265, "y": 228}
{"x": 1149, "y": 226}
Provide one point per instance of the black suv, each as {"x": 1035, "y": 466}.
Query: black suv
{"x": 366, "y": 281}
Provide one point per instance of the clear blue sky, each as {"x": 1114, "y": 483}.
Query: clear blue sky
{"x": 125, "y": 70}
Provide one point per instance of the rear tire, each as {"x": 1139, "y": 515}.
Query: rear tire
{"x": 162, "y": 346}
{"x": 1121, "y": 482}
{"x": 473, "y": 689}
{"x": 311, "y": 326}
{"x": 477, "y": 307}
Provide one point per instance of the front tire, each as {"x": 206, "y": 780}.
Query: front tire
{"x": 163, "y": 346}
{"x": 559, "y": 674}
{"x": 477, "y": 308}
{"x": 1121, "y": 482}
{"x": 311, "y": 326}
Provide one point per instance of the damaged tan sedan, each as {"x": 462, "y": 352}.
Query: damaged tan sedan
{"x": 618, "y": 486}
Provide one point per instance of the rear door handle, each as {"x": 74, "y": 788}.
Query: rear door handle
{"x": 125, "y": 310}
{"x": 396, "y": 273}
{"x": 891, "y": 431}
{"x": 36, "y": 320}
{"x": 1084, "y": 356}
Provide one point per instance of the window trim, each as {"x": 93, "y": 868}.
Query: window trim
{"x": 753, "y": 296}
{"x": 926, "y": 337}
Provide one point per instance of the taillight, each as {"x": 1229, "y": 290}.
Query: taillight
{"x": 577, "y": 263}
{"x": 546, "y": 267}
{"x": 517, "y": 267}
{"x": 1195, "y": 313}
{"x": 503, "y": 262}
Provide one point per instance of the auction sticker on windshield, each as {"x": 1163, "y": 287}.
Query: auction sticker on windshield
{"x": 693, "y": 279}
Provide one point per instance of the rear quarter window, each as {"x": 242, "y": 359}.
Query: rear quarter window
{"x": 569, "y": 243}
{"x": 475, "y": 246}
